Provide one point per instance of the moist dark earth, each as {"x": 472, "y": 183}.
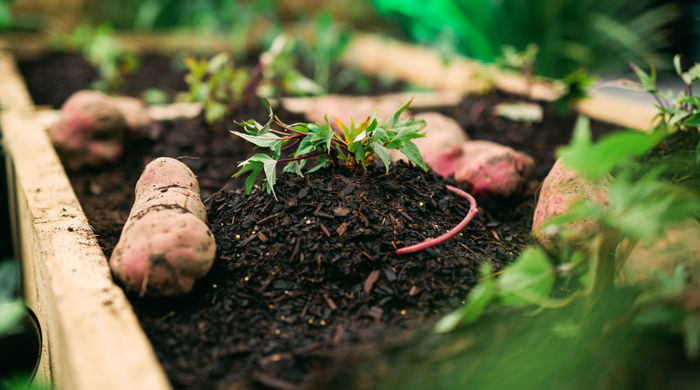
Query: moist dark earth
{"x": 302, "y": 279}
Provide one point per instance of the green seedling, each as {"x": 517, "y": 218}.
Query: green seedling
{"x": 356, "y": 146}
{"x": 99, "y": 47}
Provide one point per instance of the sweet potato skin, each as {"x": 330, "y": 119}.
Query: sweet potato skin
{"x": 486, "y": 168}
{"x": 680, "y": 245}
{"x": 165, "y": 245}
{"x": 93, "y": 126}
{"x": 560, "y": 189}
{"x": 441, "y": 133}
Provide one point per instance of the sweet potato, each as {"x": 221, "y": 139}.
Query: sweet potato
{"x": 679, "y": 246}
{"x": 90, "y": 130}
{"x": 486, "y": 168}
{"x": 441, "y": 133}
{"x": 165, "y": 244}
{"x": 92, "y": 127}
{"x": 359, "y": 108}
{"x": 560, "y": 189}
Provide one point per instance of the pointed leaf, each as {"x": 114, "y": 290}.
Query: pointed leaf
{"x": 411, "y": 151}
{"x": 382, "y": 153}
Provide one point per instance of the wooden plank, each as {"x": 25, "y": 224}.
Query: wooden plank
{"x": 94, "y": 339}
{"x": 377, "y": 55}
{"x": 13, "y": 92}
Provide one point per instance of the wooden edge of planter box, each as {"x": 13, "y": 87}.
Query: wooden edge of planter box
{"x": 91, "y": 336}
{"x": 422, "y": 66}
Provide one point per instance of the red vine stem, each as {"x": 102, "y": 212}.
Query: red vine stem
{"x": 435, "y": 241}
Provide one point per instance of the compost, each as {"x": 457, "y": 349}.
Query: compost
{"x": 303, "y": 278}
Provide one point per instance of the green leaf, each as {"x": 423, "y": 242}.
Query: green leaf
{"x": 320, "y": 163}
{"x": 693, "y": 121}
{"x": 411, "y": 151}
{"x": 677, "y": 65}
{"x": 528, "y": 280}
{"x": 480, "y": 296}
{"x": 395, "y": 118}
{"x": 266, "y": 140}
{"x": 648, "y": 80}
{"x": 255, "y": 164}
{"x": 691, "y": 335}
{"x": 596, "y": 160}
{"x": 11, "y": 314}
{"x": 382, "y": 153}
{"x": 693, "y": 73}
{"x": 448, "y": 322}
{"x": 305, "y": 147}
{"x": 250, "y": 181}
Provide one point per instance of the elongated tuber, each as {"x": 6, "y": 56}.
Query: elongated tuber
{"x": 560, "y": 189}
{"x": 93, "y": 126}
{"x": 165, "y": 244}
{"x": 486, "y": 167}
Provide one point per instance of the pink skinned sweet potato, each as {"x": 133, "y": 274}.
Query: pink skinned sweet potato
{"x": 90, "y": 130}
{"x": 441, "y": 133}
{"x": 486, "y": 168}
{"x": 165, "y": 245}
{"x": 560, "y": 189}
{"x": 92, "y": 127}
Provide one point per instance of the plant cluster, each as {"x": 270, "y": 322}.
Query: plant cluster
{"x": 221, "y": 86}
{"x": 676, "y": 112}
{"x": 356, "y": 146}
{"x": 99, "y": 47}
{"x": 641, "y": 208}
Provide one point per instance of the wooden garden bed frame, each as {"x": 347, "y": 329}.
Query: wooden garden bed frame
{"x": 91, "y": 336}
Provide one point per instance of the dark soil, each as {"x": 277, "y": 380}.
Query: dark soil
{"x": 52, "y": 78}
{"x": 300, "y": 280}
{"x": 303, "y": 276}
{"x": 539, "y": 140}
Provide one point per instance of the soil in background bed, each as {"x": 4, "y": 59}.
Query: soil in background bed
{"x": 52, "y": 78}
{"x": 256, "y": 320}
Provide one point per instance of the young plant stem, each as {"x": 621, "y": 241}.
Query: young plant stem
{"x": 300, "y": 157}
{"x": 435, "y": 241}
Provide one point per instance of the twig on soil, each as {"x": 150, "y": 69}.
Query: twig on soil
{"x": 432, "y": 242}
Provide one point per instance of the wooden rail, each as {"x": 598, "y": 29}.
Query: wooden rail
{"x": 91, "y": 337}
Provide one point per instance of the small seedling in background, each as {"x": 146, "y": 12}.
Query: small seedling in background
{"x": 356, "y": 147}
{"x": 222, "y": 87}
{"x": 217, "y": 84}
{"x": 681, "y": 112}
{"x": 99, "y": 47}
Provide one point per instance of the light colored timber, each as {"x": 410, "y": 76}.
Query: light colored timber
{"x": 91, "y": 337}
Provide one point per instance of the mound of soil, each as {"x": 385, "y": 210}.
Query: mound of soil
{"x": 302, "y": 276}
{"x": 299, "y": 280}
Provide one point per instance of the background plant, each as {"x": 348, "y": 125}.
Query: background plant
{"x": 595, "y": 34}
{"x": 355, "y": 147}
{"x": 99, "y": 47}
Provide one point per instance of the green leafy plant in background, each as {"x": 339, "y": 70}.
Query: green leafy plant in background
{"x": 99, "y": 47}
{"x": 222, "y": 87}
{"x": 217, "y": 84}
{"x": 5, "y": 14}
{"x": 356, "y": 147}
{"x": 641, "y": 208}
{"x": 676, "y": 113}
{"x": 569, "y": 34}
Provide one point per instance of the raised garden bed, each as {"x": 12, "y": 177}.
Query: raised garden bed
{"x": 278, "y": 329}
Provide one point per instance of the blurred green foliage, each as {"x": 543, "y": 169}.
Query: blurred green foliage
{"x": 596, "y": 34}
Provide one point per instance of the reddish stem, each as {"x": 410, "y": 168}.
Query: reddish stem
{"x": 300, "y": 157}
{"x": 292, "y": 144}
{"x": 282, "y": 125}
{"x": 428, "y": 243}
